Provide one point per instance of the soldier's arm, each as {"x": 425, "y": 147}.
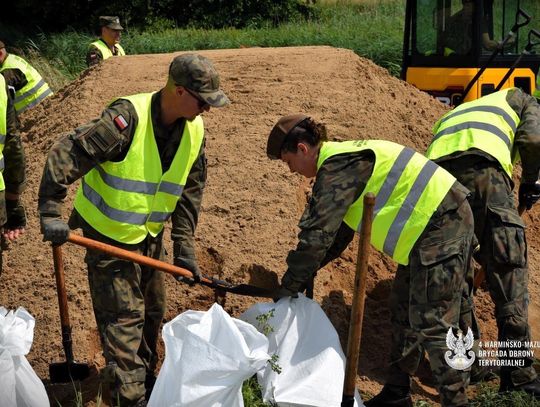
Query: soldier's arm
{"x": 186, "y": 215}
{"x": 70, "y": 158}
{"x": 527, "y": 138}
{"x": 340, "y": 181}
{"x": 14, "y": 159}
{"x": 93, "y": 56}
{"x": 15, "y": 78}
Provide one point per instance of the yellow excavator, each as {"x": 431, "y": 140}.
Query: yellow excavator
{"x": 460, "y": 50}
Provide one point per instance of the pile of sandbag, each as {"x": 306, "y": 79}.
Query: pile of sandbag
{"x": 208, "y": 355}
{"x": 20, "y": 386}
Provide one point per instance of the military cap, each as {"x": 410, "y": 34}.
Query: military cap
{"x": 197, "y": 73}
{"x": 279, "y": 133}
{"x": 112, "y": 22}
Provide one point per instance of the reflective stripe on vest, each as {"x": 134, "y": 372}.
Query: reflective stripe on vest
{"x": 36, "y": 88}
{"x": 126, "y": 200}
{"x": 106, "y": 51}
{"x": 488, "y": 124}
{"x": 3, "y": 126}
{"x": 408, "y": 189}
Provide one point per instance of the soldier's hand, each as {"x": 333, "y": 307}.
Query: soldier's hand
{"x": 283, "y": 291}
{"x": 528, "y": 194}
{"x": 16, "y": 219}
{"x": 54, "y": 230}
{"x": 191, "y": 265}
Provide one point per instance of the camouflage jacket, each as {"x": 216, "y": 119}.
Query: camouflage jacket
{"x": 527, "y": 137}
{"x": 15, "y": 78}
{"x": 14, "y": 159}
{"x": 103, "y": 140}
{"x": 323, "y": 235}
{"x": 94, "y": 56}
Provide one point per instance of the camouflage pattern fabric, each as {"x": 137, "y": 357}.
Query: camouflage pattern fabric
{"x": 430, "y": 295}
{"x": 198, "y": 74}
{"x": 503, "y": 249}
{"x": 94, "y": 55}
{"x": 129, "y": 305}
{"x": 14, "y": 172}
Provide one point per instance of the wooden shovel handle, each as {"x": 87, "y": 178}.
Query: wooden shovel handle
{"x": 134, "y": 257}
{"x": 359, "y": 296}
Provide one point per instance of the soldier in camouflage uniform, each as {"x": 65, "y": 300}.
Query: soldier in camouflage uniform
{"x": 421, "y": 218}
{"x": 478, "y": 142}
{"x": 108, "y": 43}
{"x": 132, "y": 160}
{"x": 13, "y": 173}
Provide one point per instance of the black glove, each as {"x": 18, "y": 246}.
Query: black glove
{"x": 283, "y": 291}
{"x": 54, "y": 230}
{"x": 16, "y": 215}
{"x": 529, "y": 194}
{"x": 191, "y": 265}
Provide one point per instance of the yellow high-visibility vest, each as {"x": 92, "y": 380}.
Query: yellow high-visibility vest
{"x": 35, "y": 90}
{"x": 126, "y": 200}
{"x": 488, "y": 124}
{"x": 106, "y": 51}
{"x": 3, "y": 127}
{"x": 408, "y": 189}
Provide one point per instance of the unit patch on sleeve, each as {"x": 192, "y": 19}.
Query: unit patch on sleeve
{"x": 120, "y": 122}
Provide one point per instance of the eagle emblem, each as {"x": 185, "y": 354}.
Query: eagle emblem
{"x": 456, "y": 357}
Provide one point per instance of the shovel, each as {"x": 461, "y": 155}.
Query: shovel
{"x": 219, "y": 286}
{"x": 68, "y": 371}
{"x": 359, "y": 296}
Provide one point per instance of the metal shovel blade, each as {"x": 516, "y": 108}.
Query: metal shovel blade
{"x": 66, "y": 372}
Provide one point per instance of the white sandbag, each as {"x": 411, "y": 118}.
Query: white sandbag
{"x": 20, "y": 386}
{"x": 208, "y": 355}
{"x": 309, "y": 354}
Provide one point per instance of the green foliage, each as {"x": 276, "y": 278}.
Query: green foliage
{"x": 488, "y": 396}
{"x": 243, "y": 13}
{"x": 251, "y": 392}
{"x": 262, "y": 321}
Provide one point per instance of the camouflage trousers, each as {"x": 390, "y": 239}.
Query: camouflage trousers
{"x": 428, "y": 297}
{"x": 502, "y": 254}
{"x": 129, "y": 305}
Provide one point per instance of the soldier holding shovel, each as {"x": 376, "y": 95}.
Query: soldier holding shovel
{"x": 421, "y": 219}
{"x": 142, "y": 162}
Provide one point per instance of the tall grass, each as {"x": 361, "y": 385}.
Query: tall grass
{"x": 373, "y": 29}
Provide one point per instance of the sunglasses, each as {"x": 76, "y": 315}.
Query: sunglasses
{"x": 202, "y": 103}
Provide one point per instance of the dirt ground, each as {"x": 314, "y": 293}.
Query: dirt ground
{"x": 251, "y": 205}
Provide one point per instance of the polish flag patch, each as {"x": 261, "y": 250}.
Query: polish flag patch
{"x": 120, "y": 122}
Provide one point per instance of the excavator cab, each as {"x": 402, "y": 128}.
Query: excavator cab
{"x": 460, "y": 50}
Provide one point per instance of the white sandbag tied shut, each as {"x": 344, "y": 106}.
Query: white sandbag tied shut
{"x": 309, "y": 354}
{"x": 20, "y": 386}
{"x": 208, "y": 355}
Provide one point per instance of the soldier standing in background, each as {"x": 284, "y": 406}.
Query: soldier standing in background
{"x": 12, "y": 170}
{"x": 478, "y": 142}
{"x": 142, "y": 162}
{"x": 107, "y": 45}
{"x": 421, "y": 219}
{"x": 30, "y": 88}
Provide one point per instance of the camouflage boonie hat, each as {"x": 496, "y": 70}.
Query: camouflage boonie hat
{"x": 279, "y": 133}
{"x": 112, "y": 22}
{"x": 197, "y": 73}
